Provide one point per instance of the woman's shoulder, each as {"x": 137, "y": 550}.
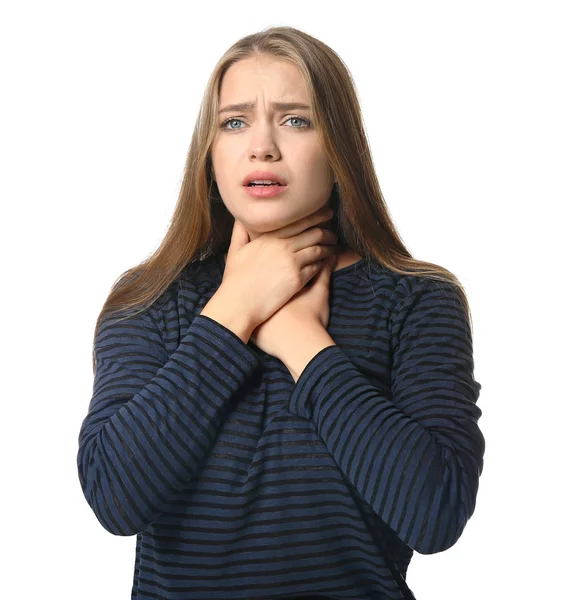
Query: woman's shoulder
{"x": 198, "y": 278}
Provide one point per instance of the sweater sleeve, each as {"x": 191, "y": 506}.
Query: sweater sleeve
{"x": 153, "y": 418}
{"x": 416, "y": 454}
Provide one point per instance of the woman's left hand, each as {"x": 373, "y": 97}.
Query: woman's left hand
{"x": 302, "y": 314}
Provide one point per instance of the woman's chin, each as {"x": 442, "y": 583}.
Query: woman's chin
{"x": 257, "y": 227}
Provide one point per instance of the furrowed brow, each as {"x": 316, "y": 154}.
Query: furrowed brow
{"x": 249, "y": 106}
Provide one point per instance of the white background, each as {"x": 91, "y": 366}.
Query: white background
{"x": 472, "y": 110}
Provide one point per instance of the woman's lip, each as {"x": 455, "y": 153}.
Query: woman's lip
{"x": 265, "y": 191}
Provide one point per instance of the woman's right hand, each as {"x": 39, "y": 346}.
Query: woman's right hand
{"x": 262, "y": 275}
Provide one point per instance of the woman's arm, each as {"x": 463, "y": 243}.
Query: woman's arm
{"x": 153, "y": 418}
{"x": 415, "y": 455}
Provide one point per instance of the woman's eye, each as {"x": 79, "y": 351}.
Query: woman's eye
{"x": 300, "y": 119}
{"x": 234, "y": 119}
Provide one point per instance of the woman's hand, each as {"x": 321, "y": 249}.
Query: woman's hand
{"x": 301, "y": 316}
{"x": 262, "y": 275}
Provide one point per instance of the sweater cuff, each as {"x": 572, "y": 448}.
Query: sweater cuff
{"x": 313, "y": 379}
{"x": 228, "y": 344}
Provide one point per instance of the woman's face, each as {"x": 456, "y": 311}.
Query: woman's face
{"x": 268, "y": 139}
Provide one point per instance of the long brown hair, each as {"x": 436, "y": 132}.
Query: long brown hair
{"x": 201, "y": 225}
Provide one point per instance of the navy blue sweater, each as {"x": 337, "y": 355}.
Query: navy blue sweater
{"x": 240, "y": 483}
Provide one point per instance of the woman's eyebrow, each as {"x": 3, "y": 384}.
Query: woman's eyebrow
{"x": 248, "y": 106}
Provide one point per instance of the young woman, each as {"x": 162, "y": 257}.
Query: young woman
{"x": 284, "y": 402}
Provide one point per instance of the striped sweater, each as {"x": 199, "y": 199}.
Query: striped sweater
{"x": 240, "y": 483}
